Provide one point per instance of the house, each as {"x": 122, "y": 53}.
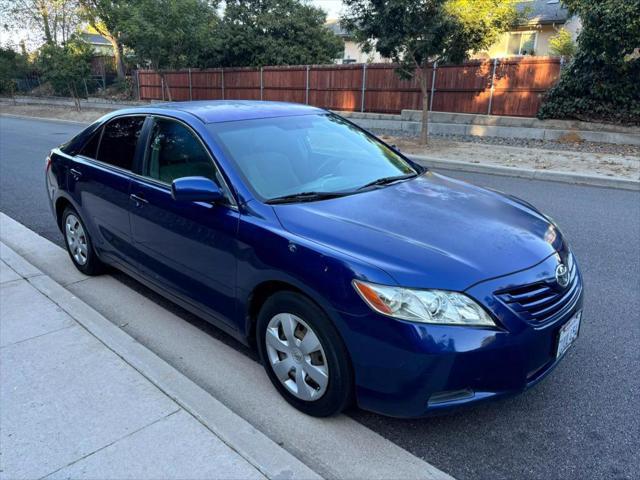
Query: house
{"x": 101, "y": 46}
{"x": 352, "y": 51}
{"x": 543, "y": 19}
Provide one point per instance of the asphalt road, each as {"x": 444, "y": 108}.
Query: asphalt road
{"x": 581, "y": 422}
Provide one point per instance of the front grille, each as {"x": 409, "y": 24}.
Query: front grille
{"x": 543, "y": 301}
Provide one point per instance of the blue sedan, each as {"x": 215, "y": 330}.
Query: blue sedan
{"x": 360, "y": 276}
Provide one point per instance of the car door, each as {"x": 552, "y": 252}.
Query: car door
{"x": 187, "y": 247}
{"x": 99, "y": 181}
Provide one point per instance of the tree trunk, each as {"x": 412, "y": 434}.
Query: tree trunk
{"x": 74, "y": 95}
{"x": 424, "y": 132}
{"x": 117, "y": 54}
{"x": 44, "y": 14}
{"x": 166, "y": 86}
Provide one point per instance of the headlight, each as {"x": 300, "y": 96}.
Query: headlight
{"x": 425, "y": 306}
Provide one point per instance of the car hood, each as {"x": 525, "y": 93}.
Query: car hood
{"x": 429, "y": 232}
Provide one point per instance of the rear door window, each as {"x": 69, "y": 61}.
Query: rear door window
{"x": 119, "y": 141}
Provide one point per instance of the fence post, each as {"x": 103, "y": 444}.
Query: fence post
{"x": 162, "y": 86}
{"x": 222, "y": 69}
{"x": 86, "y": 90}
{"x": 190, "y": 87}
{"x": 561, "y": 62}
{"x": 493, "y": 80}
{"x": 306, "y": 93}
{"x": 261, "y": 84}
{"x": 364, "y": 85}
{"x": 138, "y": 83}
{"x": 433, "y": 85}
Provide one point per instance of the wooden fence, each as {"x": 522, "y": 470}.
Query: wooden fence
{"x": 511, "y": 86}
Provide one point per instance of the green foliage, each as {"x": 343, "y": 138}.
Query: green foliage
{"x": 275, "y": 32}
{"x": 66, "y": 67}
{"x": 169, "y": 34}
{"x": 12, "y": 65}
{"x": 416, "y": 32}
{"x": 562, "y": 44}
{"x": 603, "y": 80}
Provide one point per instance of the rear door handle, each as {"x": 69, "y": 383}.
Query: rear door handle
{"x": 139, "y": 201}
{"x": 76, "y": 173}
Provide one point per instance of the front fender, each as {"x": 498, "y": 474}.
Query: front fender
{"x": 268, "y": 253}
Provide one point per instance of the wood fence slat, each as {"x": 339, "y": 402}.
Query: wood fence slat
{"x": 518, "y": 87}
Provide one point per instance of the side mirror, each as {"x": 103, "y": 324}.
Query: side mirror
{"x": 195, "y": 189}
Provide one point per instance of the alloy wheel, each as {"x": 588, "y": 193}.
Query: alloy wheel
{"x": 76, "y": 239}
{"x": 296, "y": 356}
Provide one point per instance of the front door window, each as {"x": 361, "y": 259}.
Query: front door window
{"x": 175, "y": 152}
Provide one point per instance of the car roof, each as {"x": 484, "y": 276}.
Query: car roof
{"x": 216, "y": 111}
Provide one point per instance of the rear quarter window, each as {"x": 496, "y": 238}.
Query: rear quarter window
{"x": 74, "y": 146}
{"x": 90, "y": 148}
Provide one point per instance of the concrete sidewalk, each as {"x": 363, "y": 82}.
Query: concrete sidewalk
{"x": 72, "y": 408}
{"x": 192, "y": 368}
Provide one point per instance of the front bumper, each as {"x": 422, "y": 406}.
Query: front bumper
{"x": 407, "y": 369}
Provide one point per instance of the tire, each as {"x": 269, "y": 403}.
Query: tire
{"x": 317, "y": 350}
{"x": 79, "y": 244}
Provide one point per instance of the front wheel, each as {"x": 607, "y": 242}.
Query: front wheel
{"x": 79, "y": 244}
{"x": 303, "y": 355}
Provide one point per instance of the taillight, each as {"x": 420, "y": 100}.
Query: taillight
{"x": 47, "y": 164}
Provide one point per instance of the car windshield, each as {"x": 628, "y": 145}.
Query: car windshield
{"x": 311, "y": 154}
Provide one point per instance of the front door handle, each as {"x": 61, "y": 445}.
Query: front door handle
{"x": 139, "y": 201}
{"x": 76, "y": 173}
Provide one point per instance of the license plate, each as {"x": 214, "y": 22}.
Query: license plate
{"x": 568, "y": 333}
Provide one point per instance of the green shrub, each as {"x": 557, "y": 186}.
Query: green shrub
{"x": 66, "y": 67}
{"x": 602, "y": 82}
{"x": 13, "y": 65}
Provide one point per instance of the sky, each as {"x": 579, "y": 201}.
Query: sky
{"x": 332, "y": 7}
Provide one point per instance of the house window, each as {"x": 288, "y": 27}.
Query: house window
{"x": 521, "y": 43}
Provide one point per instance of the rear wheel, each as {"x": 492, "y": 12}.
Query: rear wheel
{"x": 79, "y": 244}
{"x": 303, "y": 355}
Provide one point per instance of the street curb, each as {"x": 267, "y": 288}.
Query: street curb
{"x": 531, "y": 174}
{"x": 256, "y": 448}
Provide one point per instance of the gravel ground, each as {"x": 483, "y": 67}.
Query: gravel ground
{"x": 87, "y": 115}
{"x": 619, "y": 161}
{"x": 589, "y": 147}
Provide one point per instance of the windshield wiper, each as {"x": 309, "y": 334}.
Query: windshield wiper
{"x": 305, "y": 197}
{"x": 387, "y": 180}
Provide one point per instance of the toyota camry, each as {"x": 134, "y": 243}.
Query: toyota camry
{"x": 361, "y": 277}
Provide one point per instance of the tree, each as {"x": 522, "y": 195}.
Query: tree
{"x": 602, "y": 82}
{"x": 275, "y": 32}
{"x": 12, "y": 65}
{"x": 66, "y": 67}
{"x": 171, "y": 34}
{"x": 162, "y": 33}
{"x": 415, "y": 33}
{"x": 562, "y": 44}
{"x": 106, "y": 17}
{"x": 54, "y": 20}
